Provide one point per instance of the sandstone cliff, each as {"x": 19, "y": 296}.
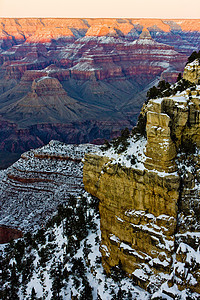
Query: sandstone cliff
{"x": 192, "y": 71}
{"x": 149, "y": 197}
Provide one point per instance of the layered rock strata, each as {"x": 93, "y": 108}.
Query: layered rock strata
{"x": 183, "y": 33}
{"x": 33, "y": 187}
{"x": 149, "y": 198}
{"x": 105, "y": 67}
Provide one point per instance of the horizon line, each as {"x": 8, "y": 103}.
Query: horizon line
{"x": 53, "y": 17}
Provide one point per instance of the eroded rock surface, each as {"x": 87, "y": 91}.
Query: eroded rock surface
{"x": 192, "y": 71}
{"x": 33, "y": 187}
{"x": 149, "y": 198}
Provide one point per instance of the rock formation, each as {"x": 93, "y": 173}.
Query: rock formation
{"x": 192, "y": 71}
{"x": 149, "y": 197}
{"x": 44, "y": 30}
{"x": 33, "y": 187}
{"x": 48, "y": 102}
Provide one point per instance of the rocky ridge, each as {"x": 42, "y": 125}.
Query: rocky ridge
{"x": 33, "y": 187}
{"x": 45, "y": 29}
{"x": 149, "y": 197}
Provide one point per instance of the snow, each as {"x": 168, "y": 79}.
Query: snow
{"x": 192, "y": 64}
{"x": 191, "y": 254}
{"x": 42, "y": 282}
{"x": 144, "y": 41}
{"x": 165, "y": 217}
{"x": 135, "y": 148}
{"x": 114, "y": 238}
{"x": 43, "y": 78}
{"x": 47, "y": 182}
{"x": 63, "y": 168}
{"x": 158, "y": 100}
{"x": 119, "y": 219}
{"x": 157, "y": 261}
{"x": 101, "y": 39}
{"x": 180, "y": 98}
{"x": 154, "y": 230}
{"x": 140, "y": 274}
{"x": 105, "y": 249}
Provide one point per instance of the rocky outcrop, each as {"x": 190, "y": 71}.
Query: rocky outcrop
{"x": 192, "y": 71}
{"x": 105, "y": 56}
{"x": 45, "y": 29}
{"x": 113, "y": 58}
{"x": 149, "y": 198}
{"x": 138, "y": 212}
{"x": 33, "y": 187}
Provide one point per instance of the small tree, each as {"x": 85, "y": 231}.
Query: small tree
{"x": 193, "y": 56}
{"x": 87, "y": 291}
{"x": 179, "y": 77}
{"x": 33, "y": 294}
{"x": 106, "y": 145}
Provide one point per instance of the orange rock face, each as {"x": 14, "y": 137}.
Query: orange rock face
{"x": 101, "y": 30}
{"x": 43, "y": 30}
{"x": 188, "y": 25}
{"x": 152, "y": 23}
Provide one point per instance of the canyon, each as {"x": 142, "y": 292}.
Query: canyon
{"x": 147, "y": 183}
{"x": 83, "y": 80}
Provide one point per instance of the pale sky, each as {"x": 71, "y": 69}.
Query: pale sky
{"x": 101, "y": 8}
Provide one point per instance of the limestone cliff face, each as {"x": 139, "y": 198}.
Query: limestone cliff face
{"x": 149, "y": 206}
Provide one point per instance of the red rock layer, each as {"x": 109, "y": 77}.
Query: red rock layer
{"x": 101, "y": 64}
{"x": 112, "y": 58}
{"x": 102, "y": 57}
{"x": 13, "y": 139}
{"x": 7, "y": 234}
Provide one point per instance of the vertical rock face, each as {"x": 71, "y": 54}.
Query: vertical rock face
{"x": 192, "y": 71}
{"x": 138, "y": 212}
{"x": 159, "y": 136}
{"x": 150, "y": 198}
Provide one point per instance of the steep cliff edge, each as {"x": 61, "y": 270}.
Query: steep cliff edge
{"x": 192, "y": 71}
{"x": 150, "y": 198}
